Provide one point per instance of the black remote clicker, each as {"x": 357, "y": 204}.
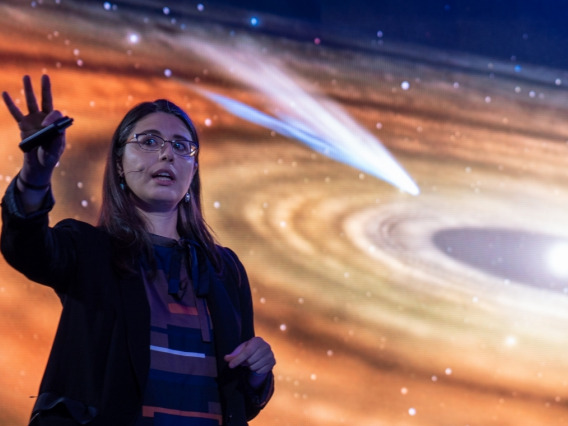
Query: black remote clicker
{"x": 45, "y": 134}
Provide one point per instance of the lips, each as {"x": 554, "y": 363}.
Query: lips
{"x": 164, "y": 175}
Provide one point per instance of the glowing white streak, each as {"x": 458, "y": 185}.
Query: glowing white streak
{"x": 318, "y": 123}
{"x": 389, "y": 171}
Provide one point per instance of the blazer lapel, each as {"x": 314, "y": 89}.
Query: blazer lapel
{"x": 222, "y": 301}
{"x": 136, "y": 311}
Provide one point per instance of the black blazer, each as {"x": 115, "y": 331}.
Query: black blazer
{"x": 100, "y": 357}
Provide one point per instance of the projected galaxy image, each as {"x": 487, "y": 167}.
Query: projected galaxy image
{"x": 399, "y": 203}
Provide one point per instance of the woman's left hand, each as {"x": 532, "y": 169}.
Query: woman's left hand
{"x": 255, "y": 354}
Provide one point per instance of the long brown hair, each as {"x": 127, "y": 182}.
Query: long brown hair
{"x": 119, "y": 217}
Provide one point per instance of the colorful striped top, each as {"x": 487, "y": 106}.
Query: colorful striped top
{"x": 182, "y": 387}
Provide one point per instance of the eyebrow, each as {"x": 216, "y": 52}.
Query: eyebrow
{"x": 158, "y": 133}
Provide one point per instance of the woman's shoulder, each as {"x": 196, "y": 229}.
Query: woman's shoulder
{"x": 75, "y": 224}
{"x": 82, "y": 229}
{"x": 228, "y": 256}
{"x": 226, "y": 251}
{"x": 232, "y": 265}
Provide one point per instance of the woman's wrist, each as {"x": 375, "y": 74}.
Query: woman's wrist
{"x": 32, "y": 186}
{"x": 256, "y": 379}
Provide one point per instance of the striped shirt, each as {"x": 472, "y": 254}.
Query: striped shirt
{"x": 182, "y": 387}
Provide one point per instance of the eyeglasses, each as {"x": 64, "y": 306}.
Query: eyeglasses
{"x": 154, "y": 143}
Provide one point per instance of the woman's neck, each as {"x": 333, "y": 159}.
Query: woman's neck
{"x": 162, "y": 223}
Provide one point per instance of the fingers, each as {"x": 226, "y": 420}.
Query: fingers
{"x": 31, "y": 101}
{"x": 46, "y": 98}
{"x": 255, "y": 354}
{"x": 12, "y": 108}
{"x": 262, "y": 360}
{"x": 30, "y": 95}
{"x": 236, "y": 357}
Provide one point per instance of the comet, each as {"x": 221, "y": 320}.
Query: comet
{"x": 309, "y": 118}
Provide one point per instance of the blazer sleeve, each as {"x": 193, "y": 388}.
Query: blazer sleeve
{"x": 43, "y": 254}
{"x": 256, "y": 399}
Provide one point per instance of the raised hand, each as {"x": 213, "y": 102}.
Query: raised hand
{"x": 38, "y": 163}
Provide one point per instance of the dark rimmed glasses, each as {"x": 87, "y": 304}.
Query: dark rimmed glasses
{"x": 153, "y": 143}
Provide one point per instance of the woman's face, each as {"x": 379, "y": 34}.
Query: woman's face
{"x": 160, "y": 179}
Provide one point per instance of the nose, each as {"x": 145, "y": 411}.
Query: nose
{"x": 166, "y": 151}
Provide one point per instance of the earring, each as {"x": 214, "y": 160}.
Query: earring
{"x": 187, "y": 197}
{"x": 122, "y": 183}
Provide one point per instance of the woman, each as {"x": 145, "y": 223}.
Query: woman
{"x": 157, "y": 322}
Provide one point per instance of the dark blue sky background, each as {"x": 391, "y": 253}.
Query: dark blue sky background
{"x": 530, "y": 31}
